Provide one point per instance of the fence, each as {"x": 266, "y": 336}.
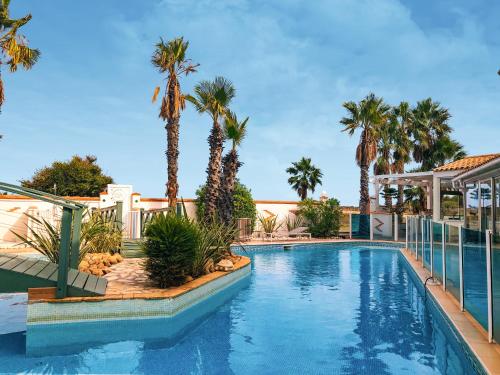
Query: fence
{"x": 466, "y": 262}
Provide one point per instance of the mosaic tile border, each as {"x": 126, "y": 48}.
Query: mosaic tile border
{"x": 137, "y": 308}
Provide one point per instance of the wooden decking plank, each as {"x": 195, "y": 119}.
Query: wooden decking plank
{"x": 101, "y": 285}
{"x": 91, "y": 283}
{"x": 12, "y": 263}
{"x": 28, "y": 263}
{"x": 47, "y": 271}
{"x": 72, "y": 275}
{"x": 36, "y": 268}
{"x": 80, "y": 280}
{"x": 5, "y": 258}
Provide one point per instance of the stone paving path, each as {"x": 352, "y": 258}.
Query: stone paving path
{"x": 129, "y": 276}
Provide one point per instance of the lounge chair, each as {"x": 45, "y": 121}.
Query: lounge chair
{"x": 299, "y": 232}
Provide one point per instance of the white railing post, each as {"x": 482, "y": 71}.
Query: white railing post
{"x": 431, "y": 243}
{"x": 461, "y": 266}
{"x": 396, "y": 227}
{"x": 489, "y": 284}
{"x": 371, "y": 227}
{"x": 423, "y": 240}
{"x": 416, "y": 237}
{"x": 406, "y": 233}
{"x": 443, "y": 236}
{"x": 350, "y": 225}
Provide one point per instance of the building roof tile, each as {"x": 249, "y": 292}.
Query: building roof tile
{"x": 467, "y": 163}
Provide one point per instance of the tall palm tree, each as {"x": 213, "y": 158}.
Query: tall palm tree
{"x": 402, "y": 120}
{"x": 234, "y": 131}
{"x": 213, "y": 97}
{"x": 304, "y": 176}
{"x": 429, "y": 126}
{"x": 384, "y": 161}
{"x": 170, "y": 57}
{"x": 368, "y": 115}
{"x": 14, "y": 47}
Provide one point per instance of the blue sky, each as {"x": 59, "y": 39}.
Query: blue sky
{"x": 293, "y": 64}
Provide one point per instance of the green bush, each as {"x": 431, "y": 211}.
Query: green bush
{"x": 244, "y": 205}
{"x": 170, "y": 246}
{"x": 322, "y": 218}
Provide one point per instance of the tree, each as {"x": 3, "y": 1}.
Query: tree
{"x": 243, "y": 203}
{"x": 76, "y": 177}
{"x": 368, "y": 115}
{"x": 402, "y": 119}
{"x": 170, "y": 58}
{"x": 213, "y": 97}
{"x": 304, "y": 176}
{"x": 234, "y": 131}
{"x": 14, "y": 46}
{"x": 431, "y": 132}
{"x": 384, "y": 161}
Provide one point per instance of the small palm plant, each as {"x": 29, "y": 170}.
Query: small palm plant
{"x": 269, "y": 224}
{"x": 170, "y": 57}
{"x": 14, "y": 46}
{"x": 213, "y": 97}
{"x": 234, "y": 131}
{"x": 305, "y": 176}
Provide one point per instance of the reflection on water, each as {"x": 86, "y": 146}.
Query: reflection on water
{"x": 310, "y": 310}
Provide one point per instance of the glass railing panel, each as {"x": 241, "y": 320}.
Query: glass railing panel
{"x": 418, "y": 240}
{"x": 383, "y": 227}
{"x": 437, "y": 246}
{"x": 426, "y": 243}
{"x": 401, "y": 227}
{"x": 452, "y": 260}
{"x": 475, "y": 280}
{"x": 360, "y": 226}
{"x": 495, "y": 266}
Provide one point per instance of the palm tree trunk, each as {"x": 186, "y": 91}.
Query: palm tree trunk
{"x": 364, "y": 195}
{"x": 230, "y": 166}
{"x": 387, "y": 198}
{"x": 172, "y": 154}
{"x": 215, "y": 140}
{"x": 303, "y": 194}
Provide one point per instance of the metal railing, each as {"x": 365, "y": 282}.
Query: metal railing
{"x": 467, "y": 264}
{"x": 71, "y": 222}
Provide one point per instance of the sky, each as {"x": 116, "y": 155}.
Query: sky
{"x": 293, "y": 64}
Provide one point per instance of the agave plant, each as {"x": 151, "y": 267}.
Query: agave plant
{"x": 294, "y": 222}
{"x": 269, "y": 224}
{"x": 213, "y": 244}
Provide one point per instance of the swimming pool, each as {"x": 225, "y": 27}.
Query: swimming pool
{"x": 314, "y": 309}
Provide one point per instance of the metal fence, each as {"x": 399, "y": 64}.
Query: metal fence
{"x": 467, "y": 264}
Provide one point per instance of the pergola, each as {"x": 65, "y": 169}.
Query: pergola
{"x": 422, "y": 179}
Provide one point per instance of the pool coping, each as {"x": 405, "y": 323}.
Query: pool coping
{"x": 47, "y": 295}
{"x": 470, "y": 331}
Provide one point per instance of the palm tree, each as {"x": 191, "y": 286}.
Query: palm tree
{"x": 384, "y": 161}
{"x": 170, "y": 57}
{"x": 234, "y": 131}
{"x": 14, "y": 46}
{"x": 213, "y": 97}
{"x": 305, "y": 176}
{"x": 402, "y": 120}
{"x": 433, "y": 145}
{"x": 368, "y": 115}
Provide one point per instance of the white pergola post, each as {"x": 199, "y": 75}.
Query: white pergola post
{"x": 443, "y": 226}
{"x": 489, "y": 285}
{"x": 461, "y": 266}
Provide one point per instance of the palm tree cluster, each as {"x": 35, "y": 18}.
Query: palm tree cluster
{"x": 392, "y": 137}
{"x": 14, "y": 49}
{"x": 211, "y": 97}
{"x": 304, "y": 177}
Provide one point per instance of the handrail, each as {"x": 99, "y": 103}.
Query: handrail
{"x": 47, "y": 197}
{"x": 69, "y": 246}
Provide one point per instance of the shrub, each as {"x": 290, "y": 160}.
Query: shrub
{"x": 170, "y": 246}
{"x": 294, "y": 222}
{"x": 322, "y": 218}
{"x": 244, "y": 205}
{"x": 213, "y": 244}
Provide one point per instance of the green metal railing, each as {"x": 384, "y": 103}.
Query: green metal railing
{"x": 71, "y": 222}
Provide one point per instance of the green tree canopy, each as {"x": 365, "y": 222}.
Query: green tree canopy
{"x": 76, "y": 177}
{"x": 244, "y": 205}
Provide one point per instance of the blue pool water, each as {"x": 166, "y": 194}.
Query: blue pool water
{"x": 312, "y": 310}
